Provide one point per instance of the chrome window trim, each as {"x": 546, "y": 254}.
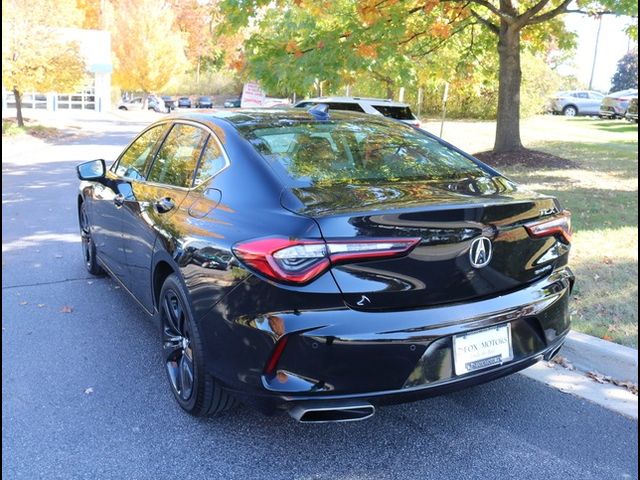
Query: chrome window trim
{"x": 227, "y": 162}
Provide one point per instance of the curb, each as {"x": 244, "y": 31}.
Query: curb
{"x": 576, "y": 383}
{"x": 588, "y": 353}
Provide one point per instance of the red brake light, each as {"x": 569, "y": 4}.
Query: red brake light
{"x": 556, "y": 225}
{"x": 299, "y": 261}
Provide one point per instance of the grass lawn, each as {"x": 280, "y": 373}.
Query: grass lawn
{"x": 10, "y": 128}
{"x": 602, "y": 193}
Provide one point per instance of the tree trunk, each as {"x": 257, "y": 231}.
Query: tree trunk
{"x": 18, "y": 98}
{"x": 510, "y": 76}
{"x": 198, "y": 73}
{"x": 389, "y": 89}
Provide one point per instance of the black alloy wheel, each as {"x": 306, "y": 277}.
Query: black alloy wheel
{"x": 195, "y": 390}
{"x": 88, "y": 247}
{"x": 177, "y": 346}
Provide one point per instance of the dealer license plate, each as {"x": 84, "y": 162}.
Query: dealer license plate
{"x": 482, "y": 349}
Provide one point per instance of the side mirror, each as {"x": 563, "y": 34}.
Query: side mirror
{"x": 93, "y": 170}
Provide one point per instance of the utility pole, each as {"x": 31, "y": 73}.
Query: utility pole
{"x": 445, "y": 97}
{"x": 595, "y": 53}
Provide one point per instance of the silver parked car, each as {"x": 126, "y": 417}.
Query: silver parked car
{"x": 576, "y": 102}
{"x": 615, "y": 104}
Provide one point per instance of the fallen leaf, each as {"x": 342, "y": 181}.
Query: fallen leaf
{"x": 563, "y": 362}
{"x": 596, "y": 276}
{"x": 66, "y": 309}
{"x": 40, "y": 305}
{"x": 90, "y": 282}
{"x": 88, "y": 391}
{"x": 23, "y": 302}
{"x": 58, "y": 256}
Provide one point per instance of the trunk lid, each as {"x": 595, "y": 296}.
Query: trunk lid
{"x": 450, "y": 219}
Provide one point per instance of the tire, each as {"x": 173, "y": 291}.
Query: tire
{"x": 194, "y": 389}
{"x": 88, "y": 247}
{"x": 122, "y": 108}
{"x": 570, "y": 111}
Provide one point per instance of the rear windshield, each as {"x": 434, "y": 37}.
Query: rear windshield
{"x": 399, "y": 113}
{"x": 349, "y": 107}
{"x": 347, "y": 151}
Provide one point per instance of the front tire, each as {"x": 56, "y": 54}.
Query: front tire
{"x": 570, "y": 111}
{"x": 88, "y": 247}
{"x": 183, "y": 355}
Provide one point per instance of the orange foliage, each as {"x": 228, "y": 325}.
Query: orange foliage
{"x": 441, "y": 30}
{"x": 429, "y": 6}
{"x": 368, "y": 12}
{"x": 367, "y": 51}
{"x": 237, "y": 63}
{"x": 291, "y": 46}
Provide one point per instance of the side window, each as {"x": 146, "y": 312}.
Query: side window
{"x": 176, "y": 160}
{"x": 583, "y": 95}
{"x": 212, "y": 161}
{"x": 133, "y": 163}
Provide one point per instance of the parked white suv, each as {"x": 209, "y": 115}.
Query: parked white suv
{"x": 373, "y": 106}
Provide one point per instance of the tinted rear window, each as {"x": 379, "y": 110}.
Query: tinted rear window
{"x": 348, "y": 107}
{"x": 399, "y": 113}
{"x": 347, "y": 151}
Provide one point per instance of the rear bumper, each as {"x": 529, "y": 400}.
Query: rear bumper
{"x": 611, "y": 111}
{"x": 335, "y": 354}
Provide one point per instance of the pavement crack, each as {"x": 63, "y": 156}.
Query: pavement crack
{"x": 9, "y": 287}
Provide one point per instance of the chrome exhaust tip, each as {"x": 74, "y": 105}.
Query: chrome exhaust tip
{"x": 322, "y": 412}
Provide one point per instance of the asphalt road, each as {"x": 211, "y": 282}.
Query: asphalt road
{"x": 84, "y": 394}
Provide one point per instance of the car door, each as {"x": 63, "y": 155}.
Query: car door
{"x": 153, "y": 206}
{"x": 109, "y": 195}
{"x": 593, "y": 103}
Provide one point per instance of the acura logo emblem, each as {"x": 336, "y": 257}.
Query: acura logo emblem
{"x": 480, "y": 252}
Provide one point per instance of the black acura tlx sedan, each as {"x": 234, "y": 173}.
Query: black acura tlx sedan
{"x": 323, "y": 263}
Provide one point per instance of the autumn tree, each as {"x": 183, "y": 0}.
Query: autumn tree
{"x": 35, "y": 55}
{"x": 299, "y": 40}
{"x": 626, "y": 75}
{"x": 149, "y": 51}
{"x": 195, "y": 21}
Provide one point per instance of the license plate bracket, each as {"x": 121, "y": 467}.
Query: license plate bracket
{"x": 482, "y": 349}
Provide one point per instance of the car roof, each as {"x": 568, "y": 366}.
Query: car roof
{"x": 629, "y": 91}
{"x": 377, "y": 101}
{"x": 272, "y": 117}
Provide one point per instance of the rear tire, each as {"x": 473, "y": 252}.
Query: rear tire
{"x": 183, "y": 355}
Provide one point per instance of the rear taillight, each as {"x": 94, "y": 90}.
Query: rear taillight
{"x": 298, "y": 261}
{"x": 556, "y": 225}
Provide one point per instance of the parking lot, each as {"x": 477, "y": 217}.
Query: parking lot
{"x": 85, "y": 394}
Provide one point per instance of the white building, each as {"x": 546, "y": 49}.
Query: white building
{"x": 95, "y": 48}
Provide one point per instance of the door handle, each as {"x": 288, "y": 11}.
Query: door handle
{"x": 118, "y": 200}
{"x": 164, "y": 205}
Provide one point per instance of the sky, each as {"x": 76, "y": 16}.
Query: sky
{"x": 613, "y": 44}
